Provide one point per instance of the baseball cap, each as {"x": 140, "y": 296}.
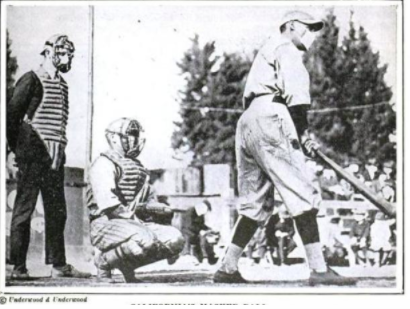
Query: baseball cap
{"x": 303, "y": 18}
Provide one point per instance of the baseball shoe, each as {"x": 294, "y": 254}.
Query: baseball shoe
{"x": 223, "y": 277}
{"x": 68, "y": 271}
{"x": 103, "y": 271}
{"x": 20, "y": 274}
{"x": 330, "y": 277}
{"x": 129, "y": 275}
{"x": 104, "y": 276}
{"x": 172, "y": 260}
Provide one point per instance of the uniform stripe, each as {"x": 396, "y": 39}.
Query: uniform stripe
{"x": 51, "y": 117}
{"x": 106, "y": 235}
{"x": 49, "y": 129}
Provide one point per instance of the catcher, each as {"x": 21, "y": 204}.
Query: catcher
{"x": 120, "y": 202}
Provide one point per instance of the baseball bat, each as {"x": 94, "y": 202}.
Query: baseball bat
{"x": 380, "y": 203}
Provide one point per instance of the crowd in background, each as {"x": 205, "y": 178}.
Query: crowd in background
{"x": 379, "y": 178}
{"x": 369, "y": 240}
{"x": 363, "y": 238}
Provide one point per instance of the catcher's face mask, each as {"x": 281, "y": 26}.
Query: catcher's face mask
{"x": 132, "y": 143}
{"x": 124, "y": 136}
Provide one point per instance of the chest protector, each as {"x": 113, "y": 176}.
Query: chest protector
{"x": 50, "y": 118}
{"x": 131, "y": 177}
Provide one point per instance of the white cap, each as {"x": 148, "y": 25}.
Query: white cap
{"x": 303, "y": 18}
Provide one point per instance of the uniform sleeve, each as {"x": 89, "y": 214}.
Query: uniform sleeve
{"x": 102, "y": 180}
{"x": 295, "y": 78}
{"x": 299, "y": 117}
{"x": 17, "y": 107}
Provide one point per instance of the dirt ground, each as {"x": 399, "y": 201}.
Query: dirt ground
{"x": 186, "y": 273}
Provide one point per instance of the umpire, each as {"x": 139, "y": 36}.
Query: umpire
{"x": 37, "y": 117}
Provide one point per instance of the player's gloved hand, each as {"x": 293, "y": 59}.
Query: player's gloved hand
{"x": 161, "y": 208}
{"x": 309, "y": 145}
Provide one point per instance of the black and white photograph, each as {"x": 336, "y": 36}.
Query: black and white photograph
{"x": 197, "y": 152}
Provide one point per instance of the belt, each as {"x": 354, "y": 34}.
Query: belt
{"x": 275, "y": 99}
{"x": 279, "y": 99}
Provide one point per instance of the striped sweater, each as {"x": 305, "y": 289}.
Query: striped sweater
{"x": 50, "y": 118}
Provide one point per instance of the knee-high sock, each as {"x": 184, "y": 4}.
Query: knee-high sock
{"x": 244, "y": 230}
{"x": 306, "y": 224}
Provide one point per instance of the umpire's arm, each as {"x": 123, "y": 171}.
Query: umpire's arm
{"x": 18, "y": 106}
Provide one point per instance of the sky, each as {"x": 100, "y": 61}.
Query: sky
{"x": 136, "y": 49}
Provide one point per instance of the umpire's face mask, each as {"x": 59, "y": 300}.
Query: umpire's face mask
{"x": 63, "y": 54}
{"x": 62, "y": 60}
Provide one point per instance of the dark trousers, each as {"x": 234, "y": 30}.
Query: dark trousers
{"x": 35, "y": 177}
{"x": 285, "y": 246}
{"x": 201, "y": 249}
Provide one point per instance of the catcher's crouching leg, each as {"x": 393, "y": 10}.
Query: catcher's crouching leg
{"x": 140, "y": 250}
{"x": 169, "y": 245}
{"x": 175, "y": 242}
{"x": 130, "y": 255}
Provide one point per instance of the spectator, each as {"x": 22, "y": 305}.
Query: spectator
{"x": 334, "y": 251}
{"x": 388, "y": 192}
{"x": 330, "y": 184}
{"x": 199, "y": 237}
{"x": 388, "y": 169}
{"x": 380, "y": 236}
{"x": 347, "y": 189}
{"x": 370, "y": 170}
{"x": 359, "y": 237}
{"x": 354, "y": 170}
{"x": 279, "y": 235}
{"x": 257, "y": 244}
